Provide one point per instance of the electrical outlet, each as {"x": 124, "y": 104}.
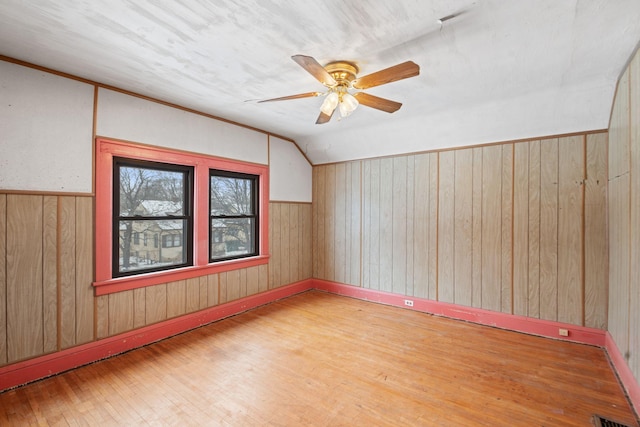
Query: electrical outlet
{"x": 563, "y": 332}
{"x": 408, "y": 303}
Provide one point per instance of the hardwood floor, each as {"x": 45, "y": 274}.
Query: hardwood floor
{"x": 324, "y": 360}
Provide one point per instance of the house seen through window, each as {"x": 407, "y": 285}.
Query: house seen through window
{"x": 153, "y": 201}
{"x": 234, "y": 215}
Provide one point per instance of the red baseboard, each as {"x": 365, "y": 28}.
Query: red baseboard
{"x": 629, "y": 382}
{"x": 41, "y": 367}
{"x": 511, "y": 322}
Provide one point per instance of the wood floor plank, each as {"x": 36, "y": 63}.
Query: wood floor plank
{"x": 321, "y": 359}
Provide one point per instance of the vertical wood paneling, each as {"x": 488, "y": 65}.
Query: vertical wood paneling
{"x": 619, "y": 256}
{"x": 372, "y": 237}
{"x": 139, "y": 308}
{"x": 295, "y": 254}
{"x": 156, "y": 303}
{"x": 339, "y": 236}
{"x": 263, "y": 277}
{"x": 121, "y": 308}
{"x": 329, "y": 222}
{"x": 421, "y": 226}
{"x": 398, "y": 225}
{"x": 491, "y": 227}
{"x": 535, "y": 180}
{"x": 463, "y": 227}
{"x": 307, "y": 240}
{"x": 102, "y": 316}
{"x": 570, "y": 228}
{"x": 433, "y": 225}
{"x": 213, "y": 290}
{"x": 620, "y": 130}
{"x": 203, "y": 283}
{"x": 3, "y": 277}
{"x": 355, "y": 218}
{"x": 410, "y": 241}
{"x": 50, "y": 273}
{"x": 319, "y": 216}
{"x": 548, "y": 231}
{"x": 634, "y": 183}
{"x": 275, "y": 243}
{"x": 446, "y": 227}
{"x": 84, "y": 269}
{"x": 476, "y": 244}
{"x": 595, "y": 244}
{"x": 521, "y": 229}
{"x": 67, "y": 213}
{"x": 386, "y": 224}
{"x": 24, "y": 277}
{"x": 285, "y": 254}
{"x": 507, "y": 227}
{"x": 193, "y": 294}
{"x": 253, "y": 280}
{"x": 176, "y": 298}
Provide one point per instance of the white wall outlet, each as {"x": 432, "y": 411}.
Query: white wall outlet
{"x": 408, "y": 303}
{"x": 563, "y": 332}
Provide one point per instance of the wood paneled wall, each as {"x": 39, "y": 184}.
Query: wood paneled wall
{"x": 46, "y": 258}
{"x": 46, "y": 270}
{"x": 624, "y": 217}
{"x": 518, "y": 227}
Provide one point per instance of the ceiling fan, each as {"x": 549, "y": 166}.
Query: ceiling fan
{"x": 340, "y": 77}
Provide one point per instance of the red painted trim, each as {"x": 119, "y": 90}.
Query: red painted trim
{"x": 106, "y": 150}
{"x": 511, "y": 322}
{"x": 131, "y": 282}
{"x": 628, "y": 380}
{"x": 40, "y": 367}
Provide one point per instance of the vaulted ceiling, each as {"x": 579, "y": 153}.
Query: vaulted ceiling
{"x": 498, "y": 70}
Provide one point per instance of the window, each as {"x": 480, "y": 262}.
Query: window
{"x": 172, "y": 216}
{"x": 233, "y": 202}
{"x": 150, "y": 198}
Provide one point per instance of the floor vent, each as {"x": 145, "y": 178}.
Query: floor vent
{"x": 599, "y": 421}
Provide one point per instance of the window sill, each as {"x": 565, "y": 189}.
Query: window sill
{"x": 121, "y": 284}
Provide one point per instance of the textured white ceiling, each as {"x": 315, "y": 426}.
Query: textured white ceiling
{"x": 503, "y": 69}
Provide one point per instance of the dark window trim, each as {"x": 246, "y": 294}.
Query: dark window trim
{"x": 187, "y": 215}
{"x": 255, "y": 200}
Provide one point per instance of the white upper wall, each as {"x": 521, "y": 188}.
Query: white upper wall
{"x": 290, "y": 172}
{"x": 46, "y": 128}
{"x": 135, "y": 119}
{"x": 46, "y": 135}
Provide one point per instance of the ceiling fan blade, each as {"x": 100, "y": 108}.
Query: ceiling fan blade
{"x": 314, "y": 68}
{"x": 388, "y": 75}
{"x": 324, "y": 118}
{"x": 298, "y": 96}
{"x": 378, "y": 103}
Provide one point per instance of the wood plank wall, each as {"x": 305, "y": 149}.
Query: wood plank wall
{"x": 517, "y": 227}
{"x": 46, "y": 270}
{"x": 624, "y": 217}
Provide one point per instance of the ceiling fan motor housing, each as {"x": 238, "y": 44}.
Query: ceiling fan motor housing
{"x": 343, "y": 72}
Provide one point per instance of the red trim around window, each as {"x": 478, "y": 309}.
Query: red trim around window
{"x": 106, "y": 150}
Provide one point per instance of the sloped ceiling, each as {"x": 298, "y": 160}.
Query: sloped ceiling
{"x": 500, "y": 70}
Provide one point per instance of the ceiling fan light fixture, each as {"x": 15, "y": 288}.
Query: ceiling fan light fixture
{"x": 330, "y": 103}
{"x": 348, "y": 104}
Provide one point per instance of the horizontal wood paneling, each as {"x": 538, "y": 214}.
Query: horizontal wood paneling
{"x": 507, "y": 227}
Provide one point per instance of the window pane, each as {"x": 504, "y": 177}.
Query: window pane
{"x": 138, "y": 255}
{"x": 231, "y": 196}
{"x": 151, "y": 192}
{"x": 232, "y": 237}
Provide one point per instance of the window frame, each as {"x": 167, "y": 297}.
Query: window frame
{"x": 255, "y": 197}
{"x": 117, "y": 217}
{"x": 106, "y": 150}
